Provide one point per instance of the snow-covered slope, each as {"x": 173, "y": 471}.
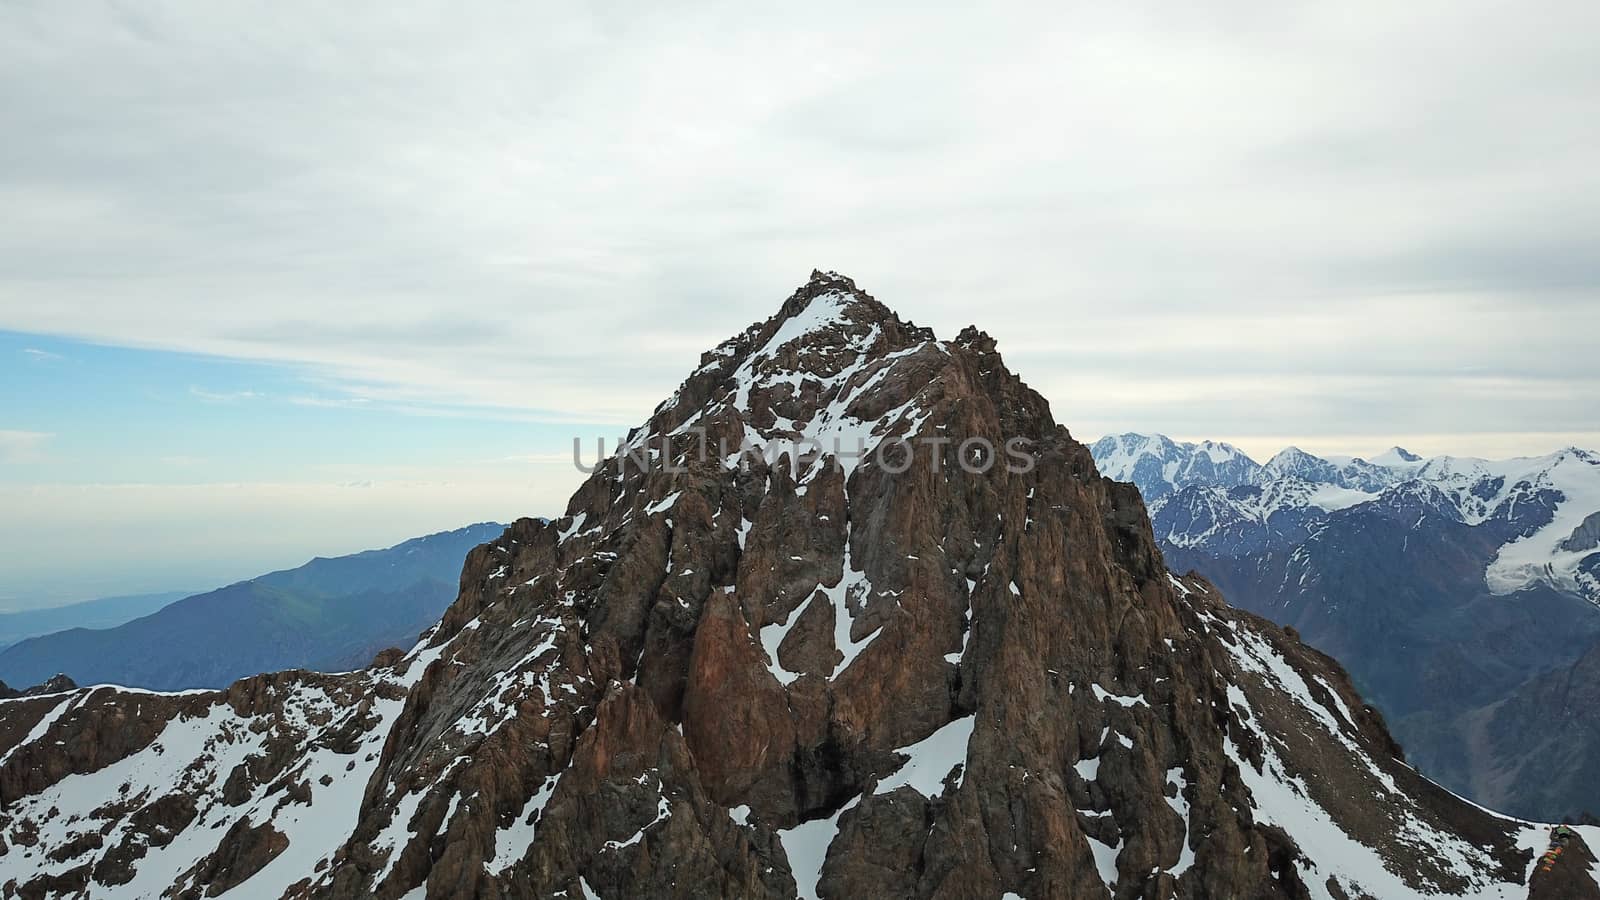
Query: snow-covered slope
{"x": 1533, "y": 508}
{"x": 1544, "y": 502}
{"x": 276, "y": 764}
{"x": 1160, "y": 465}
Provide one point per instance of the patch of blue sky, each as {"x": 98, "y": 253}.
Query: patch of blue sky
{"x": 116, "y": 414}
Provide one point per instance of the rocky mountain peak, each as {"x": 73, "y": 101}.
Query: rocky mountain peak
{"x": 777, "y": 375}
{"x": 851, "y": 663}
{"x": 976, "y": 340}
{"x": 1290, "y": 456}
{"x": 823, "y": 283}
{"x": 56, "y": 684}
{"x": 1296, "y": 463}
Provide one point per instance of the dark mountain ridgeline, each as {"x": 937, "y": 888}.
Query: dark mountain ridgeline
{"x": 328, "y": 615}
{"x": 105, "y": 612}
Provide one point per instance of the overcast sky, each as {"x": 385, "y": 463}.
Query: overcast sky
{"x": 429, "y": 245}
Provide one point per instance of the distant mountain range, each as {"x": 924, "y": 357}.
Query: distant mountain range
{"x": 1542, "y": 513}
{"x": 106, "y": 612}
{"x": 1460, "y": 592}
{"x": 327, "y": 615}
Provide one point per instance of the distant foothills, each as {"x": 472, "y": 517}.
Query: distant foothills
{"x": 327, "y": 615}
{"x": 105, "y": 612}
{"x": 1461, "y": 593}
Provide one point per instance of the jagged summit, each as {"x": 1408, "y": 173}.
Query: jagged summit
{"x": 833, "y": 367}
{"x": 56, "y": 684}
{"x": 826, "y": 301}
{"x": 1395, "y": 456}
{"x": 825, "y": 305}
{"x": 834, "y": 671}
{"x": 1152, "y": 460}
{"x": 829, "y": 283}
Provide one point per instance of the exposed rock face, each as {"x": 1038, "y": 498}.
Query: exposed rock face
{"x": 819, "y": 673}
{"x": 1585, "y": 537}
{"x": 53, "y": 685}
{"x": 119, "y": 793}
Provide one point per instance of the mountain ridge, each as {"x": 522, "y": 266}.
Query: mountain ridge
{"x": 1538, "y": 504}
{"x": 804, "y": 675}
{"x": 101, "y": 612}
{"x": 328, "y": 614}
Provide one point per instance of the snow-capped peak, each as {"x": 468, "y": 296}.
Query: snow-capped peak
{"x": 1292, "y": 462}
{"x": 1395, "y": 456}
{"x": 1220, "y": 452}
{"x": 1160, "y": 465}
